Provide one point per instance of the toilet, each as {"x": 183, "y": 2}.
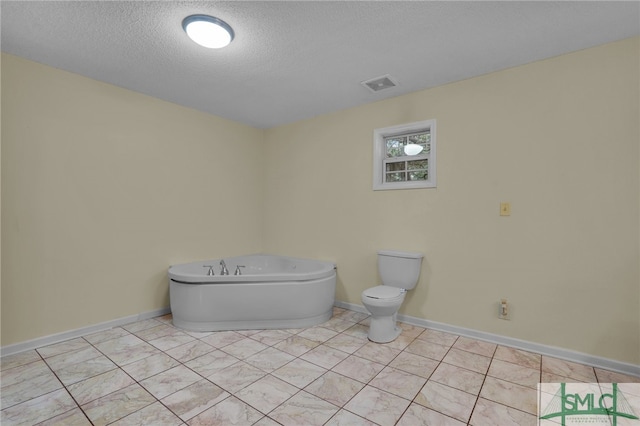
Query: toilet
{"x": 399, "y": 272}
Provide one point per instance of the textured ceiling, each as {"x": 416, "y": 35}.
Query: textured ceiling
{"x": 293, "y": 60}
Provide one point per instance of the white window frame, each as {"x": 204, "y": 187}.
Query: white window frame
{"x": 379, "y": 155}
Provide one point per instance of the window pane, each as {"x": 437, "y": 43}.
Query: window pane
{"x": 418, "y": 175}
{"x": 397, "y": 166}
{"x": 417, "y": 164}
{"x": 395, "y": 146}
{"x": 422, "y": 139}
{"x": 395, "y": 177}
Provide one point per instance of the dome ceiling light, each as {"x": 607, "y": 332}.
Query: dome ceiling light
{"x": 208, "y": 31}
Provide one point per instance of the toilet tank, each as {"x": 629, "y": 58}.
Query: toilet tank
{"x": 399, "y": 268}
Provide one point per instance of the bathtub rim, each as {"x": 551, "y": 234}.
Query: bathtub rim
{"x": 175, "y": 274}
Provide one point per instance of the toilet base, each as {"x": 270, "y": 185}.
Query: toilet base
{"x": 383, "y": 329}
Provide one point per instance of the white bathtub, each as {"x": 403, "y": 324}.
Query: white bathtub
{"x": 272, "y": 292}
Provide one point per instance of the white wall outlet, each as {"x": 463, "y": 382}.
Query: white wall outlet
{"x": 503, "y": 310}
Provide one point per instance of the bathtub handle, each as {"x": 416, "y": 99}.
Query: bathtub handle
{"x": 238, "y": 272}
{"x": 210, "y": 271}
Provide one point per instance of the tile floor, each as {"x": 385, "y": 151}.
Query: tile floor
{"x": 150, "y": 373}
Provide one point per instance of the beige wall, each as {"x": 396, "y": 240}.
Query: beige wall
{"x": 103, "y": 188}
{"x": 558, "y": 139}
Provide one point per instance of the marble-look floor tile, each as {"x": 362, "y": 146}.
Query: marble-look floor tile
{"x": 510, "y": 394}
{"x": 514, "y": 373}
{"x": 27, "y": 389}
{"x": 161, "y": 330}
{"x": 230, "y": 412}
{"x": 304, "y": 409}
{"x": 417, "y": 415}
{"x": 296, "y": 345}
{"x": 220, "y": 339}
{"x": 194, "y": 399}
{"x": 519, "y": 357}
{"x": 358, "y": 330}
{"x": 398, "y": 382}
{"x": 298, "y": 376}
{"x": 244, "y": 348}
{"x": 488, "y": 412}
{"x": 447, "y": 400}
{"x": 468, "y": 360}
{"x": 475, "y": 346}
{"x": 409, "y": 330}
{"x": 346, "y": 343}
{"x": 135, "y": 327}
{"x": 102, "y": 336}
{"x": 400, "y": 343}
{"x": 150, "y": 366}
{"x": 438, "y": 337}
{"x": 269, "y": 359}
{"x": 458, "y": 378}
{"x": 351, "y": 316}
{"x": 299, "y": 372}
{"x": 271, "y": 337}
{"x": 23, "y": 373}
{"x": 236, "y": 376}
{"x": 83, "y": 370}
{"x": 211, "y": 363}
{"x": 572, "y": 370}
{"x": 117, "y": 405}
{"x": 154, "y": 414}
{"x": 377, "y": 352}
{"x": 335, "y": 388}
{"x": 126, "y": 349}
{"x": 346, "y": 418}
{"x": 358, "y": 368}
{"x": 554, "y": 378}
{"x": 170, "y": 381}
{"x": 378, "y": 406}
{"x": 187, "y": 352}
{"x": 169, "y": 342}
{"x": 606, "y": 376}
{"x": 62, "y": 347}
{"x": 98, "y": 386}
{"x": 427, "y": 349}
{"x": 16, "y": 360}
{"x": 338, "y": 325}
{"x": 59, "y": 362}
{"x": 266, "y": 421}
{"x": 266, "y": 393}
{"x": 38, "y": 409}
{"x": 324, "y": 356}
{"x": 74, "y": 417}
{"x": 414, "y": 364}
{"x": 318, "y": 334}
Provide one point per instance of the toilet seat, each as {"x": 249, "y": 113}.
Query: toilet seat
{"x": 384, "y": 293}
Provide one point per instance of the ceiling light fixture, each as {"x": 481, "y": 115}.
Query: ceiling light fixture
{"x": 412, "y": 149}
{"x": 208, "y": 31}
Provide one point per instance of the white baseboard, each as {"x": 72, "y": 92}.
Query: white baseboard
{"x": 72, "y": 334}
{"x": 566, "y": 354}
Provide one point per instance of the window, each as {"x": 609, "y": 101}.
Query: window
{"x": 404, "y": 156}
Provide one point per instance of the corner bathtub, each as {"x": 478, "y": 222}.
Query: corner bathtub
{"x": 272, "y": 292}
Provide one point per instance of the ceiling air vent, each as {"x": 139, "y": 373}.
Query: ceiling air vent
{"x": 380, "y": 83}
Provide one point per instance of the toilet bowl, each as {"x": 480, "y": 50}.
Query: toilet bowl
{"x": 399, "y": 272}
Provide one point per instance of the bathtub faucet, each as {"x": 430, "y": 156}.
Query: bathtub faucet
{"x": 210, "y": 272}
{"x": 238, "y": 271}
{"x": 224, "y": 270}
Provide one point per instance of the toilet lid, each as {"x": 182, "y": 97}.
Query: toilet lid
{"x": 383, "y": 292}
